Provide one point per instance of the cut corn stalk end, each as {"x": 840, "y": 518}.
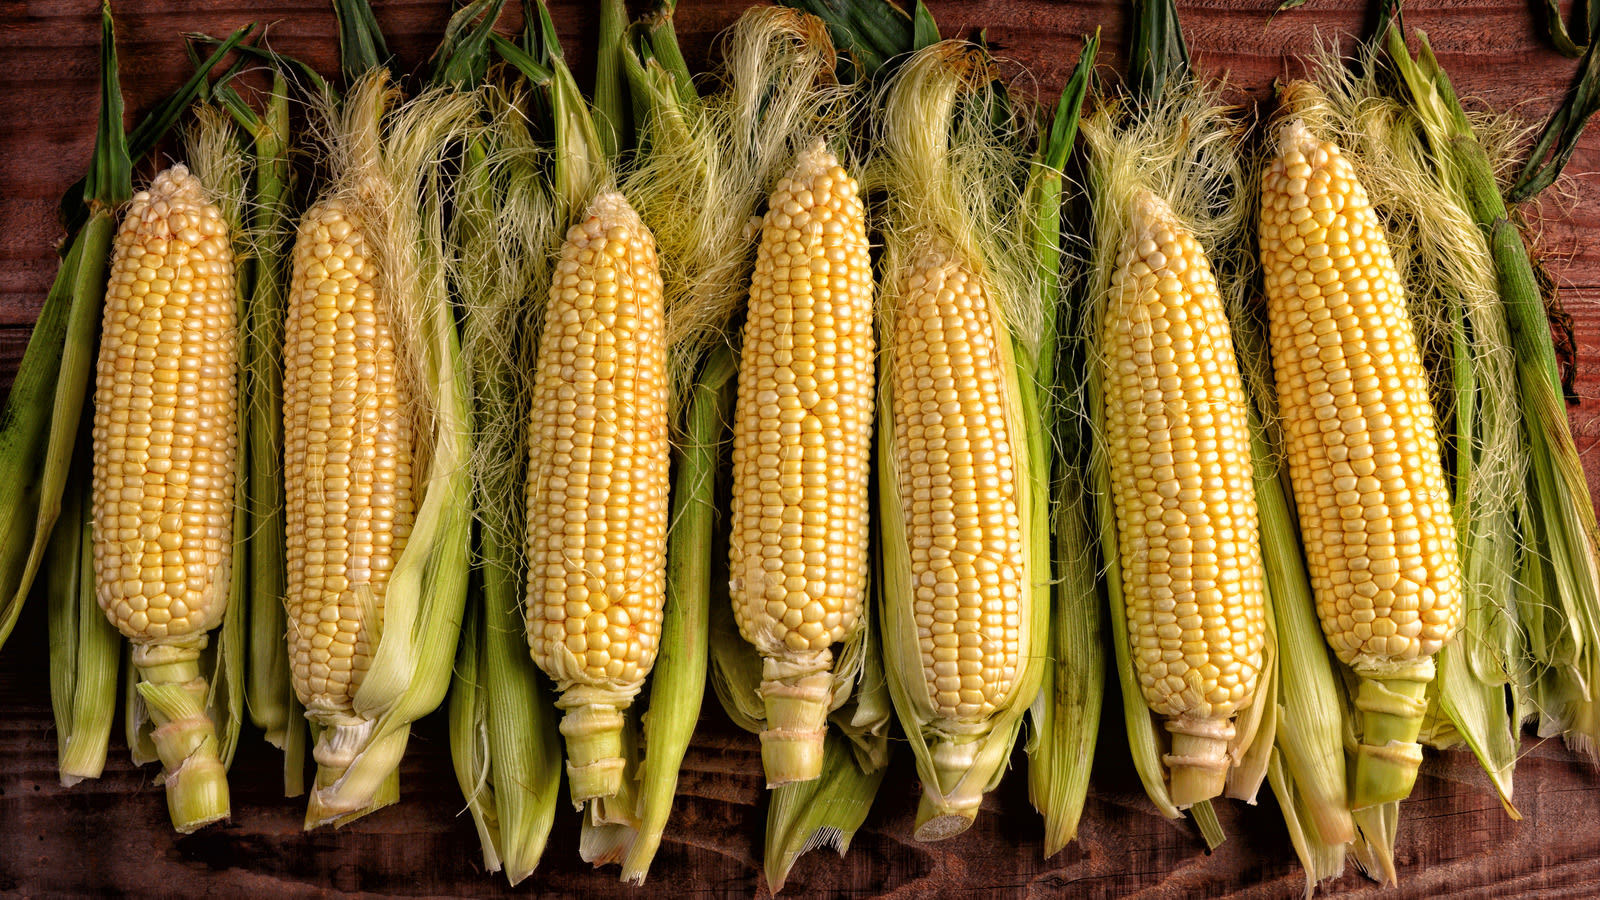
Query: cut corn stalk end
{"x": 797, "y": 694}
{"x": 1392, "y": 703}
{"x": 185, "y": 737}
{"x": 1198, "y": 764}
{"x": 356, "y": 774}
{"x": 592, "y": 728}
{"x": 949, "y": 810}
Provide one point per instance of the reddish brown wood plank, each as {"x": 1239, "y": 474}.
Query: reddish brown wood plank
{"x": 111, "y": 835}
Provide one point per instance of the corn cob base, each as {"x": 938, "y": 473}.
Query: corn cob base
{"x": 1392, "y": 702}
{"x": 592, "y": 728}
{"x": 798, "y": 693}
{"x": 951, "y": 810}
{"x": 1199, "y": 762}
{"x": 185, "y": 737}
{"x": 356, "y": 774}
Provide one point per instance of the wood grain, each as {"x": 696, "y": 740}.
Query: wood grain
{"x": 111, "y": 836}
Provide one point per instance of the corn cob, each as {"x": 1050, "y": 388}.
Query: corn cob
{"x": 1363, "y": 456}
{"x": 798, "y": 551}
{"x": 348, "y": 447}
{"x": 1177, "y": 439}
{"x": 164, "y": 453}
{"x": 954, "y": 454}
{"x": 597, "y": 486}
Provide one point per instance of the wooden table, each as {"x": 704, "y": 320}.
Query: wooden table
{"x": 112, "y": 835}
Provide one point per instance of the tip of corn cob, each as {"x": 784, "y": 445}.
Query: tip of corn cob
{"x": 1294, "y": 135}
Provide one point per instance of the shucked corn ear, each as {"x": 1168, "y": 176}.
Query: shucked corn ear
{"x": 963, "y": 481}
{"x": 1363, "y": 456}
{"x": 1178, "y": 445}
{"x": 598, "y": 484}
{"x": 955, "y": 454}
{"x": 348, "y": 449}
{"x": 164, "y": 457}
{"x": 958, "y": 463}
{"x": 802, "y": 432}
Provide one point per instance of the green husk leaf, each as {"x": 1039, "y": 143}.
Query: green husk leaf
{"x": 85, "y": 649}
{"x": 1559, "y": 138}
{"x": 269, "y": 690}
{"x": 1377, "y": 827}
{"x": 824, "y": 812}
{"x": 872, "y": 33}
{"x": 1067, "y": 713}
{"x": 39, "y": 422}
{"x": 613, "y": 110}
{"x": 462, "y": 57}
{"x": 110, "y": 180}
{"x": 361, "y": 44}
{"x": 1159, "y": 51}
{"x": 677, "y": 684}
{"x": 504, "y": 741}
{"x": 1321, "y": 860}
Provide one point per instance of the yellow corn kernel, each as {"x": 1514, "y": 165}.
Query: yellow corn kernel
{"x": 802, "y": 442}
{"x": 1178, "y": 444}
{"x": 165, "y": 446}
{"x": 1363, "y": 456}
{"x": 598, "y": 485}
{"x": 347, "y": 462}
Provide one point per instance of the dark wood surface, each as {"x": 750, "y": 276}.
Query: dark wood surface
{"x": 111, "y": 836}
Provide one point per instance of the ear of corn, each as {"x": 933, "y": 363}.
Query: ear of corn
{"x": 963, "y": 479}
{"x": 378, "y": 489}
{"x": 798, "y": 551}
{"x": 503, "y": 729}
{"x": 1484, "y": 681}
{"x": 1178, "y": 443}
{"x": 1363, "y": 455}
{"x": 40, "y": 420}
{"x": 348, "y": 462}
{"x": 165, "y": 445}
{"x": 958, "y": 579}
{"x": 597, "y": 485}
